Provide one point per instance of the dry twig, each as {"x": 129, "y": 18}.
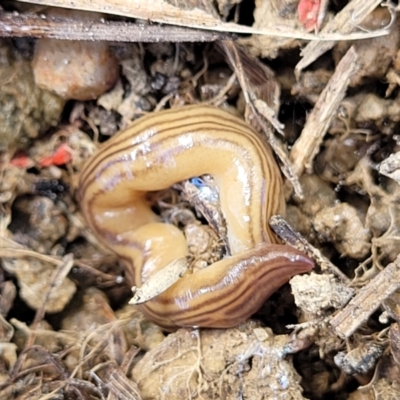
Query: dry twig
{"x": 367, "y": 301}
{"x": 30, "y": 25}
{"x": 289, "y": 236}
{"x": 265, "y": 123}
{"x": 308, "y": 144}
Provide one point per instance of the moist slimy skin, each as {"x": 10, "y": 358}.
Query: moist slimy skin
{"x": 164, "y": 148}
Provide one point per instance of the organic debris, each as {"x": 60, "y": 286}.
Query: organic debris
{"x": 328, "y": 104}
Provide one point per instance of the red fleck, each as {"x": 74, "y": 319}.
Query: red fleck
{"x": 21, "y": 160}
{"x": 61, "y": 156}
{"x": 308, "y": 11}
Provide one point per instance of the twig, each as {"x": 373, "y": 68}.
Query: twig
{"x": 30, "y": 25}
{"x": 235, "y": 56}
{"x": 367, "y": 301}
{"x": 307, "y": 146}
{"x": 293, "y": 238}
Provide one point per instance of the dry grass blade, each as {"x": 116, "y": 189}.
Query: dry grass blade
{"x": 11, "y": 252}
{"x": 245, "y": 70}
{"x": 59, "y": 275}
{"x": 164, "y": 12}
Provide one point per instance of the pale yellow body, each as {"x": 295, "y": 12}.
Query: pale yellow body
{"x": 161, "y": 149}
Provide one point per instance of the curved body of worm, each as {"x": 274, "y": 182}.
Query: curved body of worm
{"x": 161, "y": 149}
